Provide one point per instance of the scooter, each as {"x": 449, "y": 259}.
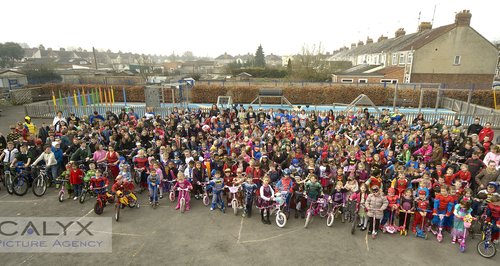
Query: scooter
{"x": 467, "y": 224}
{"x": 439, "y": 235}
{"x": 390, "y": 227}
{"x": 421, "y": 232}
{"x": 402, "y": 229}
{"x": 374, "y": 230}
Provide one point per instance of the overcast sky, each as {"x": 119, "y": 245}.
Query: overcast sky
{"x": 210, "y": 28}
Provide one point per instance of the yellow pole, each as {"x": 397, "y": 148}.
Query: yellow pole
{"x": 105, "y": 97}
{"x": 74, "y": 97}
{"x": 112, "y": 95}
{"x": 109, "y": 96}
{"x": 54, "y": 100}
{"x": 495, "y": 97}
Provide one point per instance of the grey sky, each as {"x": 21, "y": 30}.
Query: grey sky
{"x": 210, "y": 28}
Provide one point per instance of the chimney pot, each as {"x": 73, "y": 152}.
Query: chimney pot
{"x": 463, "y": 18}
{"x": 400, "y": 32}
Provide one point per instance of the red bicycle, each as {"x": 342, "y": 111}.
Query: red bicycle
{"x": 103, "y": 197}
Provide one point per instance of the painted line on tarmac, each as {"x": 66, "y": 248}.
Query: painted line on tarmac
{"x": 270, "y": 238}
{"x": 119, "y": 234}
{"x": 19, "y": 201}
{"x": 4, "y": 196}
{"x": 366, "y": 240}
{"x": 239, "y": 233}
{"x": 139, "y": 249}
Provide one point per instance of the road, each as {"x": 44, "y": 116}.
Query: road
{"x": 203, "y": 237}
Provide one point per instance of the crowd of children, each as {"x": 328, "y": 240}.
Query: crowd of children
{"x": 425, "y": 175}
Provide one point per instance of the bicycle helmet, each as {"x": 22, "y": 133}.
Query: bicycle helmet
{"x": 295, "y": 161}
{"x": 287, "y": 172}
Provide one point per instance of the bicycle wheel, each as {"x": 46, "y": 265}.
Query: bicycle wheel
{"x": 206, "y": 200}
{"x": 234, "y": 204}
{"x": 280, "y": 219}
{"x": 308, "y": 219}
{"x": 83, "y": 196}
{"x": 20, "y": 185}
{"x": 183, "y": 205}
{"x": 137, "y": 178}
{"x": 486, "y": 249}
{"x": 323, "y": 213}
{"x": 171, "y": 196}
{"x": 330, "y": 219}
{"x": 132, "y": 201}
{"x": 98, "y": 208}
{"x": 39, "y": 186}
{"x": 117, "y": 211}
{"x": 353, "y": 223}
{"x": 8, "y": 182}
{"x": 61, "y": 196}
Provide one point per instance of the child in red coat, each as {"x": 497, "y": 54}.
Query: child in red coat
{"x": 76, "y": 180}
{"x": 422, "y": 206}
{"x": 464, "y": 175}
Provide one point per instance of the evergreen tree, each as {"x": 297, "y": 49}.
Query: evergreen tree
{"x": 260, "y": 60}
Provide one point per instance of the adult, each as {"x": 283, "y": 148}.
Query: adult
{"x": 486, "y": 131}
{"x": 58, "y": 118}
{"x": 490, "y": 174}
{"x": 493, "y": 155}
{"x": 474, "y": 128}
{"x": 50, "y": 161}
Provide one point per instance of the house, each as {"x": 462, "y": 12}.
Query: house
{"x": 450, "y": 54}
{"x": 12, "y": 79}
{"x": 273, "y": 60}
{"x": 243, "y": 76}
{"x": 223, "y": 60}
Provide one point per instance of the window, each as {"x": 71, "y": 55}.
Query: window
{"x": 401, "y": 58}
{"x": 346, "y": 80}
{"x": 394, "y": 59}
{"x": 362, "y": 81}
{"x": 391, "y": 81}
{"x": 456, "y": 62}
{"x": 409, "y": 58}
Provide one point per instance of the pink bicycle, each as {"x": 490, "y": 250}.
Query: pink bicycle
{"x": 234, "y": 202}
{"x": 182, "y": 198}
{"x": 315, "y": 208}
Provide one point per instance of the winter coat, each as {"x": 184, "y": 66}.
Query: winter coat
{"x": 485, "y": 176}
{"x": 376, "y": 205}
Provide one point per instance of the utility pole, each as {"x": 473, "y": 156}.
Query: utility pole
{"x": 95, "y": 58}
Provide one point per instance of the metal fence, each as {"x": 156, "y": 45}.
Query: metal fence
{"x": 46, "y": 109}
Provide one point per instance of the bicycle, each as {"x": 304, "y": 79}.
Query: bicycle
{"x": 86, "y": 191}
{"x": 20, "y": 183}
{"x": 314, "y": 209}
{"x": 41, "y": 182}
{"x": 280, "y": 207}
{"x": 486, "y": 248}
{"x": 334, "y": 210}
{"x": 62, "y": 191}
{"x": 138, "y": 175}
{"x": 182, "y": 198}
{"x": 103, "y": 197}
{"x": 123, "y": 200}
{"x": 206, "y": 197}
{"x": 234, "y": 202}
{"x": 351, "y": 214}
{"x": 8, "y": 179}
{"x": 171, "y": 194}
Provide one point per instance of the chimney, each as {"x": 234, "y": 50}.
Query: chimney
{"x": 369, "y": 40}
{"x": 463, "y": 17}
{"x": 424, "y": 26}
{"x": 381, "y": 38}
{"x": 353, "y": 45}
{"x": 360, "y": 43}
{"x": 400, "y": 32}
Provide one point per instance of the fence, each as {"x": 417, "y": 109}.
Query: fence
{"x": 46, "y": 109}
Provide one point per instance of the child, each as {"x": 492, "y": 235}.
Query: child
{"x": 159, "y": 173}
{"x": 198, "y": 178}
{"x": 493, "y": 213}
{"x": 76, "y": 180}
{"x": 266, "y": 196}
{"x": 392, "y": 207}
{"x": 376, "y": 204}
{"x": 65, "y": 175}
{"x": 90, "y": 173}
{"x": 363, "y": 174}
{"x": 125, "y": 169}
{"x": 249, "y": 187}
{"x": 99, "y": 182}
{"x": 183, "y": 183}
{"x": 217, "y": 186}
{"x": 375, "y": 180}
{"x": 406, "y": 203}
{"x": 360, "y": 197}
{"x": 442, "y": 205}
{"x": 338, "y": 195}
{"x": 351, "y": 185}
{"x": 400, "y": 184}
{"x": 460, "y": 211}
{"x": 313, "y": 190}
{"x": 228, "y": 181}
{"x": 464, "y": 175}
{"x": 153, "y": 184}
{"x": 449, "y": 177}
{"x": 422, "y": 206}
